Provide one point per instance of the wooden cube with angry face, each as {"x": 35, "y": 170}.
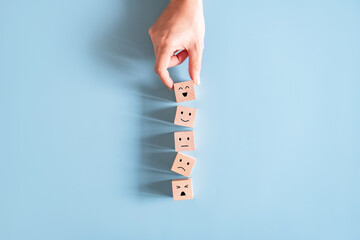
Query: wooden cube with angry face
{"x": 182, "y": 189}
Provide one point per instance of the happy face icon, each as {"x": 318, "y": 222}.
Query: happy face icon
{"x": 185, "y": 116}
{"x": 184, "y": 141}
{"x": 182, "y": 189}
{"x": 184, "y": 91}
{"x": 183, "y": 164}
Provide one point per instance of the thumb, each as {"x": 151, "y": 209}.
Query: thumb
{"x": 195, "y": 56}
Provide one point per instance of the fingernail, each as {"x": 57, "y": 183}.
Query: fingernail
{"x": 197, "y": 80}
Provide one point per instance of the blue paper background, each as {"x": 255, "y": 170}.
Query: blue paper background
{"x": 85, "y": 124}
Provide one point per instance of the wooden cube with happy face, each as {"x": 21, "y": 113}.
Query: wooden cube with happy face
{"x": 184, "y": 91}
{"x": 185, "y": 116}
{"x": 183, "y": 164}
{"x": 182, "y": 189}
{"x": 184, "y": 141}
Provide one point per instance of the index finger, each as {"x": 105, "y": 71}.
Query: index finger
{"x": 161, "y": 66}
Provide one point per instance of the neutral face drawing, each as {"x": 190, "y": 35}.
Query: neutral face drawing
{"x": 183, "y": 164}
{"x": 184, "y": 91}
{"x": 184, "y": 141}
{"x": 185, "y": 116}
{"x": 182, "y": 189}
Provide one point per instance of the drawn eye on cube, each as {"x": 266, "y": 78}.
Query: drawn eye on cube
{"x": 182, "y": 189}
{"x": 184, "y": 91}
{"x": 184, "y": 141}
{"x": 183, "y": 164}
{"x": 185, "y": 116}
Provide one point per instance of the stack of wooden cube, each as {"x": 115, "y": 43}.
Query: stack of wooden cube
{"x": 184, "y": 141}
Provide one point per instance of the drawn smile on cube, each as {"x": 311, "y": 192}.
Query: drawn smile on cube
{"x": 182, "y": 113}
{"x": 184, "y": 91}
{"x": 185, "y": 116}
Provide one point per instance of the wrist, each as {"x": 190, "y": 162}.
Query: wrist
{"x": 187, "y": 1}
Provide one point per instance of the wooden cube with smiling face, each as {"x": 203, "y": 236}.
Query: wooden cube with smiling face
{"x": 183, "y": 164}
{"x": 185, "y": 116}
{"x": 182, "y": 189}
{"x": 184, "y": 141}
{"x": 184, "y": 91}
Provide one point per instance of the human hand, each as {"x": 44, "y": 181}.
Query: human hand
{"x": 177, "y": 34}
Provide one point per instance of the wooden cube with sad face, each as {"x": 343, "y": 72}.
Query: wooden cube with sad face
{"x": 182, "y": 189}
{"x": 183, "y": 164}
{"x": 184, "y": 141}
{"x": 185, "y": 116}
{"x": 184, "y": 91}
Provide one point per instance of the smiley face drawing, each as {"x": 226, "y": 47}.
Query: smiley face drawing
{"x": 182, "y": 189}
{"x": 184, "y": 91}
{"x": 184, "y": 141}
{"x": 183, "y": 164}
{"x": 185, "y": 116}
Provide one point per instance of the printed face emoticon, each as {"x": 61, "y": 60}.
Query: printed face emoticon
{"x": 182, "y": 189}
{"x": 183, "y": 164}
{"x": 185, "y": 116}
{"x": 184, "y": 91}
{"x": 184, "y": 141}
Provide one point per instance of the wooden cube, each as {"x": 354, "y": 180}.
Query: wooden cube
{"x": 184, "y": 141}
{"x": 184, "y": 91}
{"x": 182, "y": 189}
{"x": 183, "y": 164}
{"x": 185, "y": 116}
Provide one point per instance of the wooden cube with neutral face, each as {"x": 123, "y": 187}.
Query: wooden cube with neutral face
{"x": 185, "y": 116}
{"x": 184, "y": 91}
{"x": 183, "y": 164}
{"x": 184, "y": 141}
{"x": 182, "y": 189}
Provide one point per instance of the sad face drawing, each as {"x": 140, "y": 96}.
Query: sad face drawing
{"x": 183, "y": 164}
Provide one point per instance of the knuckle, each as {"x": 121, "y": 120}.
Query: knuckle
{"x": 166, "y": 42}
{"x": 199, "y": 46}
{"x": 197, "y": 67}
{"x": 157, "y": 70}
{"x": 165, "y": 45}
{"x": 150, "y": 31}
